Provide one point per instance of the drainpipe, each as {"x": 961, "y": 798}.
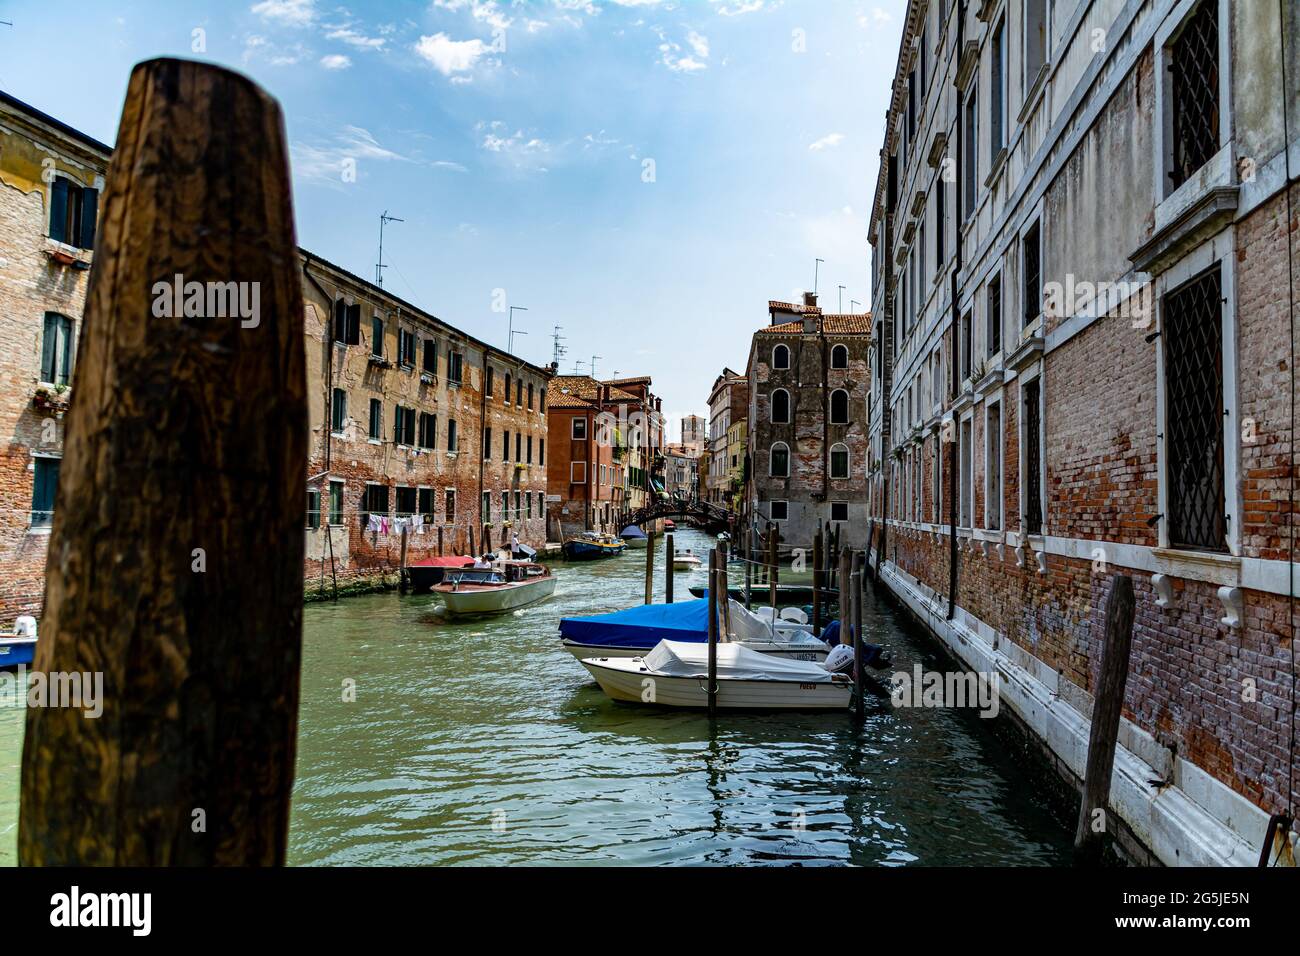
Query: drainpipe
{"x": 959, "y": 210}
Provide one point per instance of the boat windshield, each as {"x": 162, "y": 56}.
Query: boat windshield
{"x": 475, "y": 577}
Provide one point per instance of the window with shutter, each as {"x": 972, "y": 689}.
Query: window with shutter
{"x": 376, "y": 419}
{"x": 45, "y": 484}
{"x": 56, "y": 349}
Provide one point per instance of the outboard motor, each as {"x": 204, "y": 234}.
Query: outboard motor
{"x": 840, "y": 659}
{"x": 25, "y": 626}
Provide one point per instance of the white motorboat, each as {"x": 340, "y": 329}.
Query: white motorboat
{"x": 634, "y": 537}
{"x": 507, "y": 586}
{"x": 684, "y": 559}
{"x": 675, "y": 674}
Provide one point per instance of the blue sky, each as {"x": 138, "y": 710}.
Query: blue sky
{"x": 644, "y": 173}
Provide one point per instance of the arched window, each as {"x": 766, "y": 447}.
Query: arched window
{"x": 780, "y": 407}
{"x": 839, "y": 461}
{"x": 780, "y": 460}
{"x": 781, "y": 357}
{"x": 839, "y": 407}
{"x": 840, "y": 356}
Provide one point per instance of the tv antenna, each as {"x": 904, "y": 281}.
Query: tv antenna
{"x": 593, "y": 364}
{"x": 384, "y": 217}
{"x": 510, "y": 334}
{"x": 558, "y": 351}
{"x": 817, "y": 264}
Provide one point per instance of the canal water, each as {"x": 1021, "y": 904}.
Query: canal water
{"x": 486, "y": 743}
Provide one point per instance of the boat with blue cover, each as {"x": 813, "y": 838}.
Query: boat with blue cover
{"x": 638, "y": 630}
{"x": 634, "y": 537}
{"x": 590, "y": 546}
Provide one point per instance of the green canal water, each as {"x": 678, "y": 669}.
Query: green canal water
{"x": 486, "y": 743}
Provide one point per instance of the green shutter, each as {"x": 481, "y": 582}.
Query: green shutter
{"x": 89, "y": 210}
{"x": 59, "y": 209}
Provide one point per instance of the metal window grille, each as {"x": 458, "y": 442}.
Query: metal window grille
{"x": 1193, "y": 346}
{"x": 1033, "y": 274}
{"x": 1033, "y": 462}
{"x": 1194, "y": 78}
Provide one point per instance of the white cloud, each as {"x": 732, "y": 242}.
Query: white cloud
{"x": 700, "y": 44}
{"x": 324, "y": 162}
{"x": 745, "y": 6}
{"x": 450, "y": 56}
{"x": 297, "y": 13}
{"x": 521, "y": 150}
{"x": 335, "y": 61}
{"x": 826, "y": 142}
{"x": 354, "y": 38}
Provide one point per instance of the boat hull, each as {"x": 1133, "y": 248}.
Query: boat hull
{"x": 583, "y": 651}
{"x": 636, "y": 544}
{"x": 590, "y": 551}
{"x": 622, "y": 681}
{"x": 497, "y": 600}
{"x": 15, "y": 652}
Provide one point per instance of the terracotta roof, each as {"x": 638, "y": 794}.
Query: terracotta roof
{"x": 638, "y": 380}
{"x": 774, "y": 306}
{"x": 852, "y": 323}
{"x": 587, "y": 388}
{"x": 558, "y": 400}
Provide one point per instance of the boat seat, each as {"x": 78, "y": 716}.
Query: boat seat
{"x": 794, "y": 614}
{"x": 764, "y": 612}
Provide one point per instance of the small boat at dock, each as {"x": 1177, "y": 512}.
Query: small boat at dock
{"x": 634, "y": 537}
{"x": 19, "y": 648}
{"x": 684, "y": 559}
{"x": 507, "y": 586}
{"x": 592, "y": 545}
{"x": 675, "y": 674}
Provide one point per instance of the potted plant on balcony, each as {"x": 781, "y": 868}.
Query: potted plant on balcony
{"x": 51, "y": 399}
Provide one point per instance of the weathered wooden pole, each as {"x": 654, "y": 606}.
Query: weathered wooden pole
{"x": 773, "y": 556}
{"x": 650, "y": 568}
{"x": 846, "y": 594}
{"x": 401, "y": 571}
{"x": 668, "y": 567}
{"x": 855, "y": 586}
{"x": 1107, "y": 708}
{"x": 712, "y": 689}
{"x": 817, "y": 583}
{"x": 749, "y": 566}
{"x": 175, "y": 565}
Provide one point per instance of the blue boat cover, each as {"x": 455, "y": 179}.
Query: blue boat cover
{"x": 632, "y": 531}
{"x": 642, "y": 626}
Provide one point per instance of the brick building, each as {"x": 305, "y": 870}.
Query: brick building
{"x": 1083, "y": 288}
{"x": 413, "y": 422}
{"x": 808, "y": 378}
{"x": 50, "y": 180}
{"x": 728, "y": 403}
{"x": 607, "y": 452}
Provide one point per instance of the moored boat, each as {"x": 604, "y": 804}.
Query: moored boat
{"x": 495, "y": 590}
{"x": 591, "y": 545}
{"x": 634, "y": 537}
{"x": 675, "y": 674}
{"x": 684, "y": 559}
{"x": 425, "y": 574}
{"x": 19, "y": 648}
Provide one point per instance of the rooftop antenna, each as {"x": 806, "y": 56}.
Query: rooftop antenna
{"x": 593, "y": 364}
{"x": 558, "y": 351}
{"x": 510, "y": 335}
{"x": 852, "y": 303}
{"x": 817, "y": 264}
{"x": 840, "y": 308}
{"x": 577, "y": 366}
{"x": 384, "y": 217}
{"x": 512, "y": 339}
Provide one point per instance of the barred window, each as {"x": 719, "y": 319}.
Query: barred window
{"x": 1193, "y": 354}
{"x": 1194, "y": 90}
{"x": 995, "y": 315}
{"x": 1033, "y": 517}
{"x": 1032, "y": 253}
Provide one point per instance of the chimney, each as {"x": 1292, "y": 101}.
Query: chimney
{"x": 810, "y": 299}
{"x": 809, "y": 324}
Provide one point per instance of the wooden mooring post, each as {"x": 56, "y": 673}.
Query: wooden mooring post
{"x": 668, "y": 567}
{"x": 712, "y": 690}
{"x": 1106, "y": 710}
{"x": 401, "y": 571}
{"x": 175, "y": 569}
{"x": 650, "y": 567}
{"x": 773, "y": 557}
{"x": 817, "y": 582}
{"x": 855, "y": 601}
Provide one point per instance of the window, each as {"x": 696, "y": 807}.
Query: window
{"x": 839, "y": 407}
{"x": 971, "y": 145}
{"x": 839, "y": 511}
{"x": 530, "y": 449}
{"x": 519, "y": 446}
{"x": 491, "y": 380}
{"x": 1194, "y": 93}
{"x": 347, "y": 322}
{"x": 507, "y": 389}
{"x": 529, "y": 499}
{"x": 998, "y": 92}
{"x": 377, "y": 336}
{"x": 780, "y": 407}
{"x": 840, "y": 356}
{"x": 430, "y": 363}
{"x": 1031, "y": 253}
{"x": 449, "y": 507}
{"x": 405, "y": 500}
{"x": 336, "y": 502}
{"x": 940, "y": 220}
{"x": 519, "y": 505}
{"x": 579, "y": 429}
{"x": 541, "y": 451}
{"x": 780, "y": 510}
{"x": 519, "y": 392}
{"x": 781, "y": 357}
{"x": 780, "y": 460}
{"x": 404, "y": 425}
{"x": 965, "y": 345}
{"x": 452, "y": 438}
{"x": 338, "y": 411}
{"x": 1194, "y": 414}
{"x": 994, "y": 303}
{"x": 505, "y": 506}
{"x": 376, "y": 500}
{"x": 839, "y": 461}
{"x": 487, "y": 444}
{"x": 313, "y": 508}
{"x": 455, "y": 367}
{"x": 993, "y": 467}
{"x": 56, "y": 349}
{"x": 1033, "y": 517}
{"x": 376, "y": 419}
{"x": 505, "y": 446}
{"x": 530, "y": 396}
{"x": 967, "y": 485}
{"x": 73, "y": 209}
{"x": 428, "y": 430}
{"x": 45, "y": 483}
{"x": 406, "y": 347}
{"x": 578, "y": 472}
{"x": 485, "y": 508}
{"x": 1035, "y": 42}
